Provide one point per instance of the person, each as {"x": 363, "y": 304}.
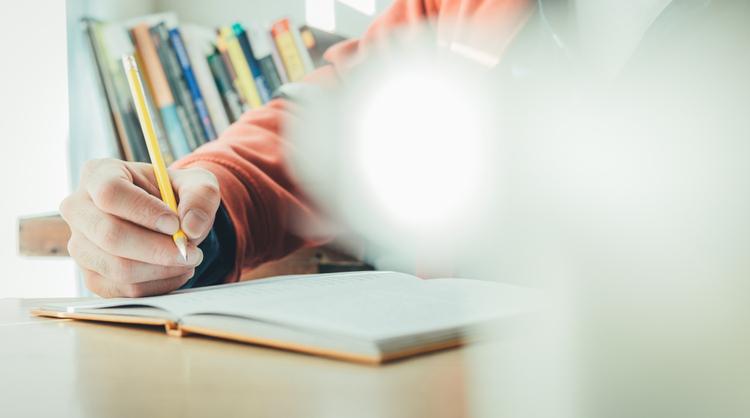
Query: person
{"x": 238, "y": 202}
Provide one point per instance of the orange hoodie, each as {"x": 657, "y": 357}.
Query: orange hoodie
{"x": 258, "y": 192}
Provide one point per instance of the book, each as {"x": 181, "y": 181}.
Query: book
{"x": 183, "y": 99}
{"x": 268, "y": 67}
{"x": 252, "y": 62}
{"x": 229, "y": 96}
{"x": 221, "y": 49}
{"x": 159, "y": 87}
{"x": 301, "y": 48}
{"x": 92, "y": 29}
{"x": 245, "y": 82}
{"x": 205, "y": 90}
{"x": 158, "y": 127}
{"x": 277, "y": 61}
{"x": 113, "y": 43}
{"x": 187, "y": 73}
{"x": 367, "y": 317}
{"x": 287, "y": 48}
{"x": 198, "y": 42}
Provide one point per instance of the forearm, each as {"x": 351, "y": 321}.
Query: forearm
{"x": 258, "y": 193}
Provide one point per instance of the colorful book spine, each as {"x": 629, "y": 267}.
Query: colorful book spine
{"x": 277, "y": 61}
{"x": 244, "y": 76}
{"x": 115, "y": 43}
{"x": 163, "y": 97}
{"x": 252, "y": 62}
{"x": 185, "y": 107}
{"x": 187, "y": 72}
{"x": 224, "y": 84}
{"x": 301, "y": 48}
{"x": 199, "y": 46}
{"x": 287, "y": 47}
{"x": 93, "y": 32}
{"x": 268, "y": 68}
{"x": 161, "y": 136}
{"x": 221, "y": 47}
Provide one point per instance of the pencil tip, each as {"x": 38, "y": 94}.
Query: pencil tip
{"x": 182, "y": 246}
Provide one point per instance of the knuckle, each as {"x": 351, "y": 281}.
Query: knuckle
{"x": 106, "y": 194}
{"x": 207, "y": 190}
{"x": 108, "y": 234}
{"x": 143, "y": 209}
{"x": 88, "y": 168}
{"x": 121, "y": 270}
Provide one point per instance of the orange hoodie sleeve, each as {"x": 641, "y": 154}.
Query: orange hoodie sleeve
{"x": 263, "y": 203}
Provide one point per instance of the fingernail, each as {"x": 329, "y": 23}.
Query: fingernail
{"x": 194, "y": 257}
{"x": 195, "y": 223}
{"x": 167, "y": 224}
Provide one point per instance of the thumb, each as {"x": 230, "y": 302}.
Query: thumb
{"x": 198, "y": 193}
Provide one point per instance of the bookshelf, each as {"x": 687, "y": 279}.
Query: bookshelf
{"x": 91, "y": 133}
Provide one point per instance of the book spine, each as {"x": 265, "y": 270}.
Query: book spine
{"x": 221, "y": 46}
{"x": 301, "y": 48}
{"x": 224, "y": 85}
{"x": 171, "y": 79}
{"x": 161, "y": 136}
{"x": 184, "y": 101}
{"x": 115, "y": 43}
{"x": 286, "y": 45}
{"x": 187, "y": 72}
{"x": 199, "y": 47}
{"x": 277, "y": 61}
{"x": 269, "y": 71}
{"x": 252, "y": 62}
{"x": 244, "y": 76}
{"x": 160, "y": 88}
{"x": 95, "y": 43}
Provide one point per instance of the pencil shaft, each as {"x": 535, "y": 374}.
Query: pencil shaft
{"x": 152, "y": 143}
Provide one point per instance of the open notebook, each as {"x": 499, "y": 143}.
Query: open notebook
{"x": 367, "y": 317}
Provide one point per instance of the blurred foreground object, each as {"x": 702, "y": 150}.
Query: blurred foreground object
{"x": 629, "y": 197}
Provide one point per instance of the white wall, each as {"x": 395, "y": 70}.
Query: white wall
{"x": 34, "y": 125}
{"x": 349, "y": 22}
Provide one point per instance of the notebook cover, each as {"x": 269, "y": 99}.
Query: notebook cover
{"x": 174, "y": 329}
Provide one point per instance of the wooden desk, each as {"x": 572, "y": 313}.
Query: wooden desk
{"x": 63, "y": 368}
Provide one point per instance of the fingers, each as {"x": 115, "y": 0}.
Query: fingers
{"x": 199, "y": 196}
{"x": 110, "y": 184}
{"x": 109, "y": 289}
{"x": 118, "y": 269}
{"x": 121, "y": 238}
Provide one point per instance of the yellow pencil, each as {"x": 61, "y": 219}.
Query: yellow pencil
{"x": 147, "y": 125}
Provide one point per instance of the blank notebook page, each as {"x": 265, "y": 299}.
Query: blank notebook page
{"x": 371, "y": 305}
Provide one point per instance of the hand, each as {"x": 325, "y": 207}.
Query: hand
{"x": 121, "y": 231}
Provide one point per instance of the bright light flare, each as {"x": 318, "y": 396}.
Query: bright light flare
{"x": 420, "y": 146}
